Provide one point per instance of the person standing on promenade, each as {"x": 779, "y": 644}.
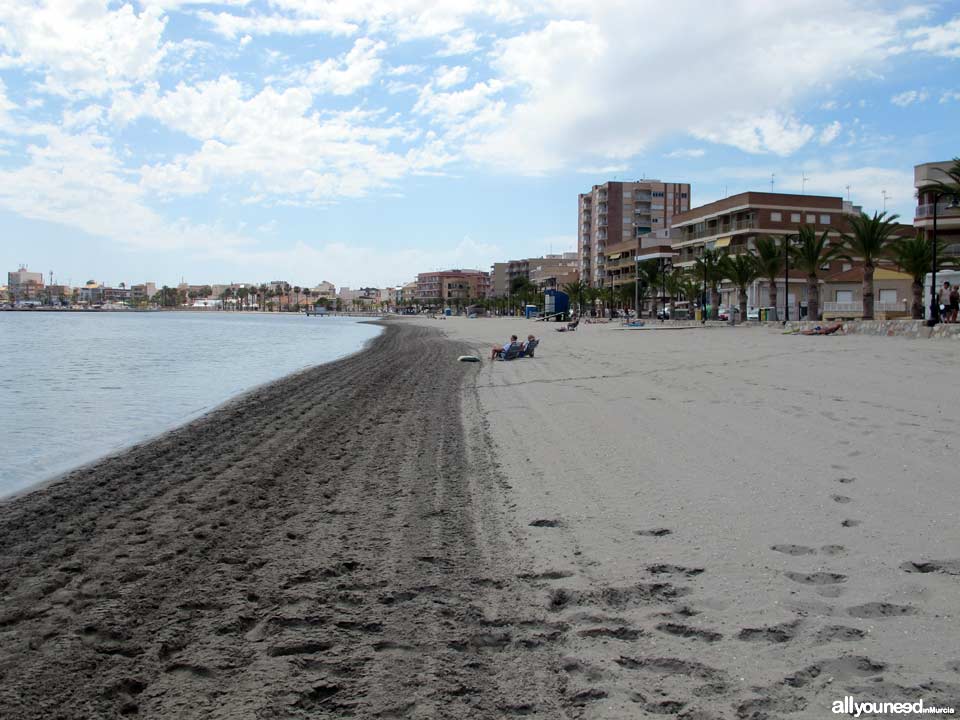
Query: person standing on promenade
{"x": 954, "y": 303}
{"x": 943, "y": 301}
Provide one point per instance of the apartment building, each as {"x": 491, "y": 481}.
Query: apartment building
{"x": 24, "y": 285}
{"x": 948, "y": 218}
{"x": 553, "y": 270}
{"x": 733, "y": 225}
{"x": 616, "y": 220}
{"x": 452, "y": 286}
{"x": 324, "y": 290}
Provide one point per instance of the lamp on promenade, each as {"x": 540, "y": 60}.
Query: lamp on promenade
{"x": 954, "y": 204}
{"x": 786, "y": 276}
{"x": 703, "y": 297}
{"x": 665, "y": 265}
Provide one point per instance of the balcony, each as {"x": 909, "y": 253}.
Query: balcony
{"x": 943, "y": 211}
{"x": 720, "y": 229}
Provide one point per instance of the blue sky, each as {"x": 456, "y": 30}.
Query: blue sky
{"x": 362, "y": 141}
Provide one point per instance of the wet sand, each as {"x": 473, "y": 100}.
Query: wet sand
{"x": 335, "y": 544}
{"x": 698, "y": 524}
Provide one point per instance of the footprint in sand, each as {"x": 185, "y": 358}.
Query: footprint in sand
{"x": 947, "y": 567}
{"x": 845, "y": 480}
{"x": 793, "y": 549}
{"x": 850, "y": 523}
{"x": 550, "y": 523}
{"x": 816, "y": 578}
{"x": 654, "y": 532}
{"x": 840, "y": 633}
{"x": 833, "y": 549}
{"x": 873, "y": 610}
{"x": 692, "y": 633}
{"x": 784, "y": 632}
{"x": 842, "y": 499}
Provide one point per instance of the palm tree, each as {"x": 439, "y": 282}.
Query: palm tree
{"x": 868, "y": 243}
{"x": 769, "y": 259}
{"x": 576, "y": 290}
{"x": 808, "y": 255}
{"x": 708, "y": 269}
{"x": 741, "y": 270}
{"x": 914, "y": 256}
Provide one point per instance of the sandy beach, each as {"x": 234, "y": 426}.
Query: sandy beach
{"x": 706, "y": 523}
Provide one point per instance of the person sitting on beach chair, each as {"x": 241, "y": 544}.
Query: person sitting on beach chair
{"x": 529, "y": 346}
{"x": 571, "y": 326}
{"x": 819, "y": 330}
{"x": 512, "y": 352}
{"x": 498, "y": 349}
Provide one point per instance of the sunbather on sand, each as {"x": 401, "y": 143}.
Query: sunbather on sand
{"x": 820, "y": 330}
{"x": 497, "y": 349}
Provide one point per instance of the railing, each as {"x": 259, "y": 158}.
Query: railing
{"x": 721, "y": 229}
{"x": 943, "y": 210}
{"x": 856, "y": 308}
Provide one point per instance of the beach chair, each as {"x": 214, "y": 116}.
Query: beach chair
{"x": 529, "y": 349}
{"x": 512, "y": 352}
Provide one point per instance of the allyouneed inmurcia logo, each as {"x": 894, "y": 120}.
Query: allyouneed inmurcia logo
{"x": 849, "y": 706}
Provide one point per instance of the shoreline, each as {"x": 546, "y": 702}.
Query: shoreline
{"x": 333, "y": 544}
{"x": 179, "y": 424}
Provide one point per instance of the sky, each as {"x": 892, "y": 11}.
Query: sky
{"x": 363, "y": 141}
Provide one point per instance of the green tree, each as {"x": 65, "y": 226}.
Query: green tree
{"x": 868, "y": 242}
{"x": 809, "y": 254}
{"x": 575, "y": 290}
{"x": 769, "y": 259}
{"x": 741, "y": 270}
{"x": 708, "y": 271}
{"x": 914, "y": 256}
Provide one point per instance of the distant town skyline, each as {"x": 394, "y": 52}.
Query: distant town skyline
{"x": 363, "y": 143}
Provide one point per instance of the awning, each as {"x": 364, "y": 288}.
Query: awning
{"x": 615, "y": 256}
{"x": 722, "y": 242}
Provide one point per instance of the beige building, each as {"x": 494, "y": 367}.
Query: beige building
{"x": 948, "y": 218}
{"x": 618, "y": 219}
{"x": 548, "y": 271}
{"x": 841, "y": 294}
{"x": 24, "y": 285}
{"x": 452, "y": 287}
{"x": 324, "y": 290}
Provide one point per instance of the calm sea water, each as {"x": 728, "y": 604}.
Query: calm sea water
{"x": 76, "y": 386}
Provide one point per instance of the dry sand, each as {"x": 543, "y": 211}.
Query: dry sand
{"x": 734, "y": 523}
{"x": 707, "y": 523}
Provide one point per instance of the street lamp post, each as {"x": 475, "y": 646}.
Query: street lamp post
{"x": 636, "y": 289}
{"x": 703, "y": 297}
{"x": 934, "y": 305}
{"x": 786, "y": 277}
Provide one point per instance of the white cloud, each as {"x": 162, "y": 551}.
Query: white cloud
{"x": 231, "y": 25}
{"x": 587, "y": 87}
{"x": 909, "y": 97}
{"x": 770, "y": 132}
{"x": 78, "y": 181}
{"x": 938, "y": 39}
{"x": 461, "y": 43}
{"x": 686, "y": 153}
{"x": 949, "y": 95}
{"x": 83, "y": 48}
{"x": 448, "y": 77}
{"x": 830, "y": 132}
{"x": 275, "y": 145}
{"x": 348, "y": 73}
{"x": 450, "y": 107}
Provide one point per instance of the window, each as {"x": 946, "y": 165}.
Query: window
{"x": 627, "y": 220}
{"x": 811, "y": 219}
{"x": 794, "y": 217}
{"x": 825, "y": 266}
{"x": 683, "y": 195}
{"x": 888, "y": 296}
{"x": 657, "y": 193}
{"x": 824, "y": 219}
{"x": 845, "y": 267}
{"x": 776, "y": 217}
{"x": 844, "y": 296}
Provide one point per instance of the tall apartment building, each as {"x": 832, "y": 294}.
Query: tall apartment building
{"x": 24, "y": 285}
{"x": 452, "y": 286}
{"x": 948, "y": 219}
{"x": 618, "y": 219}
